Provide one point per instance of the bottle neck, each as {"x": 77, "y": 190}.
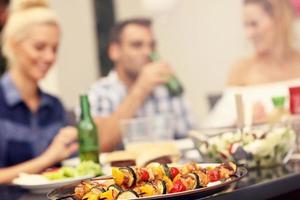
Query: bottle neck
{"x": 278, "y": 101}
{"x": 85, "y": 108}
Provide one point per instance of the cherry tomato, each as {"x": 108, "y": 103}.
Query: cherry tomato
{"x": 213, "y": 175}
{"x": 174, "y": 171}
{"x": 144, "y": 175}
{"x": 178, "y": 186}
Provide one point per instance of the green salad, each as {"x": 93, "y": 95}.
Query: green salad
{"x": 255, "y": 148}
{"x": 83, "y": 169}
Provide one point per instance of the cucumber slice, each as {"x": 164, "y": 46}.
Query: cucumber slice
{"x": 116, "y": 189}
{"x": 162, "y": 186}
{"x": 97, "y": 190}
{"x": 166, "y": 170}
{"x": 196, "y": 178}
{"x": 130, "y": 194}
{"x": 131, "y": 175}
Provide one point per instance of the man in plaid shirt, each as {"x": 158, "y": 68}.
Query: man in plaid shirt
{"x": 135, "y": 87}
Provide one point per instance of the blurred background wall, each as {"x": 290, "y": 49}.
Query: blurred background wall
{"x": 77, "y": 64}
{"x": 200, "y": 38}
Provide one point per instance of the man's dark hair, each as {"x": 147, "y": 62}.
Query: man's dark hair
{"x": 117, "y": 29}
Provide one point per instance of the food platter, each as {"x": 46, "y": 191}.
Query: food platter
{"x": 67, "y": 192}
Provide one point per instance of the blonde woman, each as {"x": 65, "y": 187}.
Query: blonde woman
{"x": 269, "y": 71}
{"x": 32, "y": 136}
{"x": 269, "y": 27}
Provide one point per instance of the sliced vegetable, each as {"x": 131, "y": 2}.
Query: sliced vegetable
{"x": 144, "y": 175}
{"x": 130, "y": 176}
{"x": 213, "y": 175}
{"x": 130, "y": 194}
{"x": 231, "y": 167}
{"x": 116, "y": 189}
{"x": 83, "y": 188}
{"x": 156, "y": 170}
{"x": 203, "y": 178}
{"x": 189, "y": 167}
{"x": 166, "y": 170}
{"x": 147, "y": 190}
{"x": 161, "y": 186}
{"x": 173, "y": 172}
{"x": 195, "y": 179}
{"x": 108, "y": 195}
{"x": 168, "y": 182}
{"x": 118, "y": 176}
{"x": 178, "y": 186}
{"x": 190, "y": 181}
{"x": 224, "y": 173}
{"x": 97, "y": 190}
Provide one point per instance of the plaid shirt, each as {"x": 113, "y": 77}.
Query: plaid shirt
{"x": 107, "y": 94}
{"x": 23, "y": 134}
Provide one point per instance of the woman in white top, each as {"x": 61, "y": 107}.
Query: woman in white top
{"x": 269, "y": 27}
{"x": 269, "y": 71}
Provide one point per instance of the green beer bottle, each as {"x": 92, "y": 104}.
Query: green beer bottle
{"x": 174, "y": 86}
{"x": 88, "y": 135}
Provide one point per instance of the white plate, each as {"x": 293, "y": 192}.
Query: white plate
{"x": 41, "y": 185}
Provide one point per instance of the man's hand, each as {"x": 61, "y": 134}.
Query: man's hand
{"x": 152, "y": 75}
{"x": 63, "y": 145}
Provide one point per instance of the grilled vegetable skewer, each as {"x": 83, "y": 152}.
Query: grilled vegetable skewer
{"x": 154, "y": 179}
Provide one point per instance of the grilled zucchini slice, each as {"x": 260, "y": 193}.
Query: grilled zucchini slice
{"x": 196, "y": 178}
{"x": 98, "y": 190}
{"x": 161, "y": 186}
{"x": 130, "y": 194}
{"x": 166, "y": 170}
{"x": 130, "y": 174}
{"x": 116, "y": 189}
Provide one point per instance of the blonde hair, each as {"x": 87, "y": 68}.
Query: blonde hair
{"x": 283, "y": 15}
{"x": 24, "y": 14}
